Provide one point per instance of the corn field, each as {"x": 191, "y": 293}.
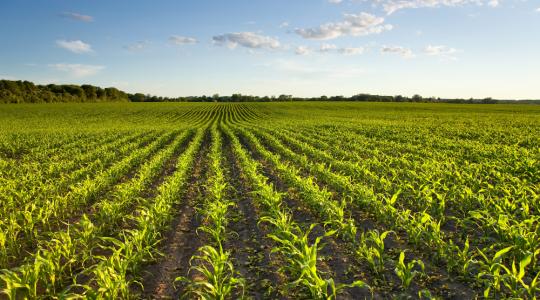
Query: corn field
{"x": 269, "y": 201}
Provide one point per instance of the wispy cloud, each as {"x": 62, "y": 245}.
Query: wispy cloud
{"x": 327, "y": 48}
{"x": 330, "y": 48}
{"x": 354, "y": 25}
{"x": 402, "y": 51}
{"x": 335, "y": 1}
{"x": 246, "y": 39}
{"x": 137, "y": 46}
{"x": 441, "y": 51}
{"x": 182, "y": 40}
{"x": 77, "y": 16}
{"x": 307, "y": 70}
{"x": 351, "y": 50}
{"x": 391, "y": 6}
{"x": 77, "y": 70}
{"x": 75, "y": 46}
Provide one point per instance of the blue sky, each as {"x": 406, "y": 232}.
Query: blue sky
{"x": 446, "y": 48}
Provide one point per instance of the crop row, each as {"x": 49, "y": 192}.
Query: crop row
{"x": 422, "y": 229}
{"x": 291, "y": 241}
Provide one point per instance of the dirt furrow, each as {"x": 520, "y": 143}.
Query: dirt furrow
{"x": 251, "y": 251}
{"x": 181, "y": 242}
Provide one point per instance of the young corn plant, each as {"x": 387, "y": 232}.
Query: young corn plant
{"x": 217, "y": 219}
{"x": 17, "y": 285}
{"x": 371, "y": 249}
{"x": 459, "y": 259}
{"x": 491, "y": 269}
{"x": 426, "y": 294}
{"x": 514, "y": 279}
{"x": 302, "y": 259}
{"x": 406, "y": 271}
{"x": 219, "y": 279}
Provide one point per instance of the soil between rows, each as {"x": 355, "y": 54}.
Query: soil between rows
{"x": 181, "y": 242}
{"x": 251, "y": 250}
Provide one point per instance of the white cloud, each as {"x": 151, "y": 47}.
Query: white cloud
{"x": 284, "y": 25}
{"x": 182, "y": 40}
{"x": 493, "y": 3}
{"x": 77, "y": 17}
{"x": 355, "y": 25}
{"x": 441, "y": 50}
{"x": 246, "y": 39}
{"x": 402, "y": 51}
{"x": 75, "y": 46}
{"x": 335, "y": 1}
{"x": 302, "y": 50}
{"x": 391, "y": 6}
{"x": 77, "y": 70}
{"x": 538, "y": 9}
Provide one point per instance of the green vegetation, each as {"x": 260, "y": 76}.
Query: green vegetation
{"x": 27, "y": 92}
{"x": 310, "y": 200}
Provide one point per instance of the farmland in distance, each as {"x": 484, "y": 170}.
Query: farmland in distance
{"x": 269, "y": 201}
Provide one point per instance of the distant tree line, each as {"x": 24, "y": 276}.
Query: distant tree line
{"x": 287, "y": 98}
{"x": 27, "y": 92}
